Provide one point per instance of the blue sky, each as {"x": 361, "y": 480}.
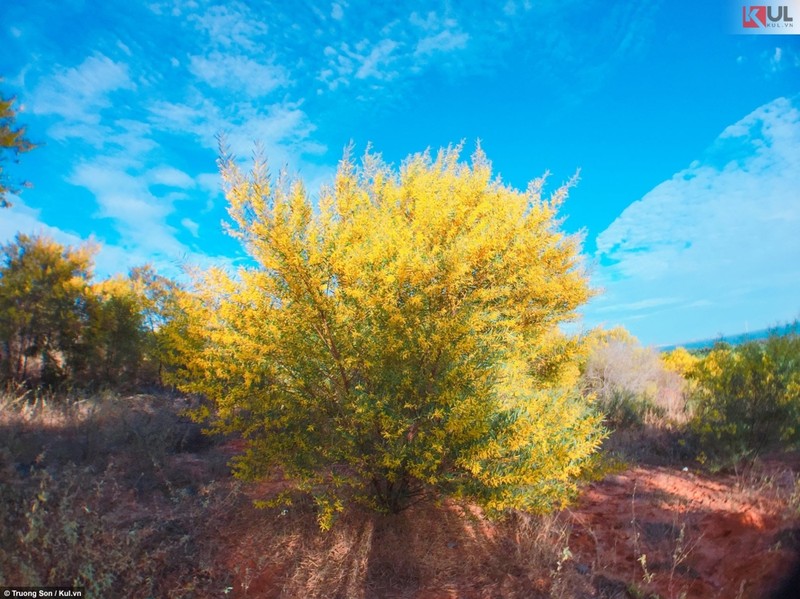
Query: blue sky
{"x": 687, "y": 136}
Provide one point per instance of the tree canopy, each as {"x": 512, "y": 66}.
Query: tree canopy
{"x": 59, "y": 326}
{"x": 42, "y": 285}
{"x": 398, "y": 339}
{"x": 12, "y": 143}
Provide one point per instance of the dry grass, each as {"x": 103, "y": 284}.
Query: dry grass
{"x": 93, "y": 494}
{"x": 427, "y": 551}
{"x": 120, "y": 495}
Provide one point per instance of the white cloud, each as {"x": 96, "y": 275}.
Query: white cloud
{"x": 124, "y": 48}
{"x": 210, "y": 183}
{"x": 138, "y": 216}
{"x": 285, "y": 125}
{"x": 197, "y": 116}
{"x": 364, "y": 60}
{"x": 131, "y": 139}
{"x": 283, "y": 128}
{"x": 440, "y": 34}
{"x": 79, "y": 94}
{"x": 23, "y": 219}
{"x": 171, "y": 177}
{"x": 233, "y": 25}
{"x": 780, "y": 59}
{"x": 399, "y": 47}
{"x": 190, "y": 226}
{"x": 121, "y": 196}
{"x": 110, "y": 259}
{"x": 376, "y": 63}
{"x": 238, "y": 73}
{"x": 719, "y": 236}
{"x": 337, "y": 12}
{"x": 444, "y": 41}
{"x": 638, "y": 306}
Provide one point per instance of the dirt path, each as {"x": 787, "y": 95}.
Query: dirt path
{"x": 670, "y": 531}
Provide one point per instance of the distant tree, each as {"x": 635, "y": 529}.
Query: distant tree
{"x": 43, "y": 293}
{"x": 159, "y": 300}
{"x": 12, "y": 143}
{"x": 401, "y": 340}
{"x": 111, "y": 346}
{"x": 127, "y": 337}
{"x": 57, "y": 325}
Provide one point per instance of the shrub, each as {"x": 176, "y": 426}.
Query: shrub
{"x": 747, "y": 398}
{"x": 402, "y": 340}
{"x": 679, "y": 360}
{"x": 627, "y": 410}
{"x": 631, "y": 382}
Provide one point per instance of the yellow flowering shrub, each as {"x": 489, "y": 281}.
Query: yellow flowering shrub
{"x": 748, "y": 397}
{"x": 398, "y": 339}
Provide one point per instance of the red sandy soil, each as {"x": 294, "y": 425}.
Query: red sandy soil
{"x": 738, "y": 536}
{"x": 704, "y": 536}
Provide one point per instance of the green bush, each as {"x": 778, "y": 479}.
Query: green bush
{"x": 627, "y": 410}
{"x": 747, "y": 398}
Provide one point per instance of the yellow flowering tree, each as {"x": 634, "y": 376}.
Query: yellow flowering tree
{"x": 399, "y": 339}
{"x": 43, "y": 287}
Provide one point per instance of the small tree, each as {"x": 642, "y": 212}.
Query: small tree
{"x": 12, "y": 143}
{"x": 43, "y": 291}
{"x": 679, "y": 360}
{"x": 401, "y": 340}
